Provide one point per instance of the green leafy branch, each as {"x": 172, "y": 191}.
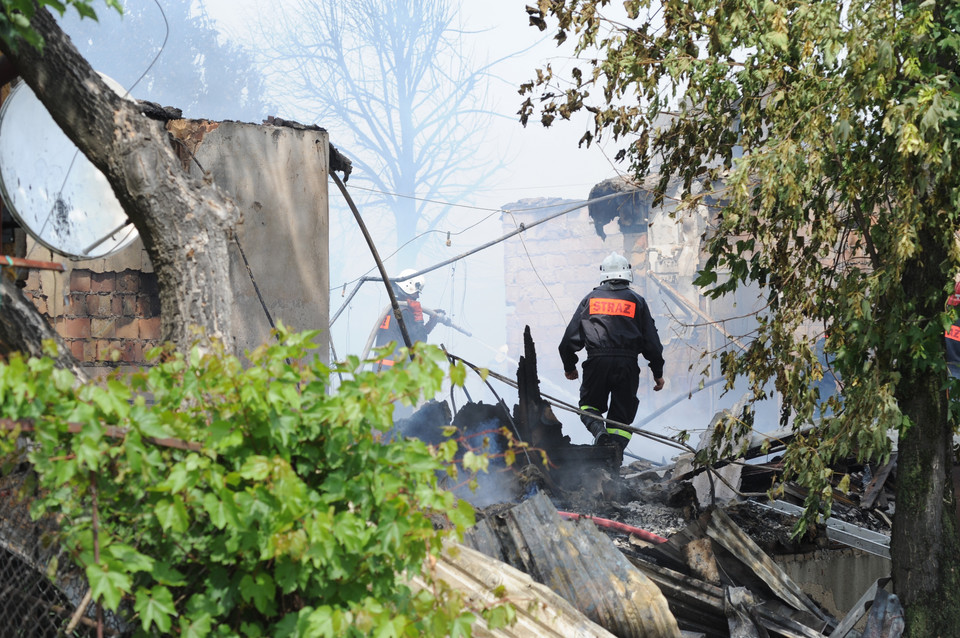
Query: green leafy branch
{"x": 282, "y": 512}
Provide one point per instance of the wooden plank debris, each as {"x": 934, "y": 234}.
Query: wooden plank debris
{"x": 485, "y": 582}
{"x": 699, "y": 606}
{"x": 874, "y": 489}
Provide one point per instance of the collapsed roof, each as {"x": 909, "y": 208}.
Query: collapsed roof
{"x": 659, "y": 550}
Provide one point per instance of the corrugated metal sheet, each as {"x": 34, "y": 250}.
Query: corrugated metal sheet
{"x": 579, "y": 563}
{"x": 541, "y": 613}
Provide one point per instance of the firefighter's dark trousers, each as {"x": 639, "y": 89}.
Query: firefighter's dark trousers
{"x": 610, "y": 381}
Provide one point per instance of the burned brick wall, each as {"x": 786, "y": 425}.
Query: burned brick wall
{"x": 107, "y": 319}
{"x": 551, "y": 266}
{"x": 108, "y": 310}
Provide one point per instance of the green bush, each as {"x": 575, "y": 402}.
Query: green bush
{"x": 249, "y": 499}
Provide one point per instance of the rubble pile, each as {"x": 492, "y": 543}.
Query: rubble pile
{"x": 714, "y": 549}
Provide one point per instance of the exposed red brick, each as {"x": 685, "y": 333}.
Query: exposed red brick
{"x": 128, "y": 306}
{"x": 77, "y": 303}
{"x": 131, "y": 352}
{"x": 75, "y": 328}
{"x": 76, "y": 347}
{"x": 101, "y": 328}
{"x": 127, "y": 328}
{"x": 150, "y": 328}
{"x": 89, "y": 350}
{"x": 108, "y": 350}
{"x": 98, "y": 306}
{"x": 80, "y": 281}
{"x": 103, "y": 281}
{"x": 128, "y": 281}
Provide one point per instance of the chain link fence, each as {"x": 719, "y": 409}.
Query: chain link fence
{"x": 42, "y": 591}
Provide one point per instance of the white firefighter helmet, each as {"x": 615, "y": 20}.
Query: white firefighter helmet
{"x": 615, "y": 266}
{"x": 410, "y": 286}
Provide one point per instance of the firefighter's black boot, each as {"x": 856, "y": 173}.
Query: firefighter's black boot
{"x": 599, "y": 431}
{"x": 621, "y": 444}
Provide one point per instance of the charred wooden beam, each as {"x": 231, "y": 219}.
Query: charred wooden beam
{"x": 538, "y": 426}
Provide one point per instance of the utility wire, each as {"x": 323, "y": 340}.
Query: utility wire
{"x": 413, "y": 239}
{"x": 502, "y": 211}
{"x": 467, "y": 206}
{"x": 533, "y": 267}
{"x": 423, "y": 199}
{"x": 522, "y": 228}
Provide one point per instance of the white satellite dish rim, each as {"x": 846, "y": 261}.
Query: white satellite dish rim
{"x": 109, "y": 233}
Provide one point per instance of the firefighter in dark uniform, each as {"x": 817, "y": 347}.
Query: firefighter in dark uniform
{"x": 614, "y": 324}
{"x": 408, "y": 295}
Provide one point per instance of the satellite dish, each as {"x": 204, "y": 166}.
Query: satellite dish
{"x": 51, "y": 188}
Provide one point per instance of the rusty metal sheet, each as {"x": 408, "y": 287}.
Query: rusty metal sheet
{"x": 583, "y": 566}
{"x": 699, "y": 606}
{"x": 722, "y": 529}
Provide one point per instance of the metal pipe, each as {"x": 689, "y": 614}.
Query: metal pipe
{"x": 19, "y": 262}
{"x": 376, "y": 258}
{"x": 522, "y": 228}
{"x": 350, "y": 297}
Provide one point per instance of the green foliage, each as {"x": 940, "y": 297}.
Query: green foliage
{"x": 246, "y": 500}
{"x": 824, "y": 134}
{"x": 15, "y": 16}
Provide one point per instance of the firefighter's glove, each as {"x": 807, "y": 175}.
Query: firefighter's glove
{"x": 571, "y": 374}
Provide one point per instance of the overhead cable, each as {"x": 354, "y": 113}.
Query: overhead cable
{"x": 523, "y": 227}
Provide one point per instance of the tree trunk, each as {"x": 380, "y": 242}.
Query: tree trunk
{"x": 185, "y": 223}
{"x": 925, "y": 546}
{"x": 24, "y": 329}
